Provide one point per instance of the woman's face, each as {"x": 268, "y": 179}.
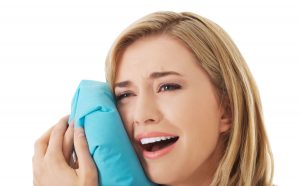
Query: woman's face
{"x": 170, "y": 110}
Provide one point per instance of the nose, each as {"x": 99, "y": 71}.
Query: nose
{"x": 146, "y": 110}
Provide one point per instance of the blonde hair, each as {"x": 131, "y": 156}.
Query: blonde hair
{"x": 247, "y": 159}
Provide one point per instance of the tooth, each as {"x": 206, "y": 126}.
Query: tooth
{"x": 155, "y": 139}
{"x": 147, "y": 141}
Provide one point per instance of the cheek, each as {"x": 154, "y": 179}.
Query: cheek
{"x": 124, "y": 114}
{"x": 197, "y": 120}
{"x": 199, "y": 116}
{"x": 190, "y": 109}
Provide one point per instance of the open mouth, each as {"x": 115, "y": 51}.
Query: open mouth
{"x": 157, "y": 143}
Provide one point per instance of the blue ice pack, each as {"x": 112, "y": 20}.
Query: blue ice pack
{"x": 93, "y": 108}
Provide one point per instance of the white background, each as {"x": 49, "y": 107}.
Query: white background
{"x": 47, "y": 47}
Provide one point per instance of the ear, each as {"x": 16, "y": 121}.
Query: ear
{"x": 225, "y": 116}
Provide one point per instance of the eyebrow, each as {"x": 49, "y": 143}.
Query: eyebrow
{"x": 154, "y": 75}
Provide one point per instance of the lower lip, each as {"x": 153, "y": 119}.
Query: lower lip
{"x": 158, "y": 153}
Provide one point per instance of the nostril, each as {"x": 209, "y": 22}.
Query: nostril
{"x": 149, "y": 121}
{"x": 146, "y": 121}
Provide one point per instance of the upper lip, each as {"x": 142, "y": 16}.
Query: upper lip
{"x": 140, "y": 136}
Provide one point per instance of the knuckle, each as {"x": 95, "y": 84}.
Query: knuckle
{"x": 37, "y": 143}
{"x": 60, "y": 127}
{"x": 63, "y": 119}
{"x": 57, "y": 131}
{"x": 51, "y": 158}
{"x": 91, "y": 172}
{"x": 54, "y": 131}
{"x": 88, "y": 172}
{"x": 33, "y": 159}
{"x": 54, "y": 161}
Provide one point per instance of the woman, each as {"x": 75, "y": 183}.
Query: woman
{"x": 178, "y": 78}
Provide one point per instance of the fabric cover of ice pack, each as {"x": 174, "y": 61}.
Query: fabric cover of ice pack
{"x": 93, "y": 109}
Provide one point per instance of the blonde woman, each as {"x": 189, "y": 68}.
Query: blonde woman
{"x": 176, "y": 75}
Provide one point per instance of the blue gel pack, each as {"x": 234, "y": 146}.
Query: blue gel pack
{"x": 93, "y": 109}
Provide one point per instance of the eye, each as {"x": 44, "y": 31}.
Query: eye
{"x": 169, "y": 87}
{"x": 123, "y": 95}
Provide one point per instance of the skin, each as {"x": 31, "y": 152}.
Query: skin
{"x": 192, "y": 111}
{"x": 52, "y": 152}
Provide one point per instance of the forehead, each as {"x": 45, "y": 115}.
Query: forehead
{"x": 154, "y": 53}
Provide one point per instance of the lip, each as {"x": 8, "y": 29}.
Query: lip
{"x": 158, "y": 153}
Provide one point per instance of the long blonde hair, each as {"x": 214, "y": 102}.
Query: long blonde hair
{"x": 247, "y": 159}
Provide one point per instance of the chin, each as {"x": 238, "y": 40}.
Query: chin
{"x": 161, "y": 174}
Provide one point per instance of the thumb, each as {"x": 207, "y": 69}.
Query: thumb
{"x": 85, "y": 161}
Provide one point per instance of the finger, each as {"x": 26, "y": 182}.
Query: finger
{"x": 73, "y": 161}
{"x": 57, "y": 136}
{"x": 40, "y": 149}
{"x": 85, "y": 161}
{"x": 68, "y": 143}
{"x": 41, "y": 145}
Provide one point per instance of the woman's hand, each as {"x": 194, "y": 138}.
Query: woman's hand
{"x": 52, "y": 157}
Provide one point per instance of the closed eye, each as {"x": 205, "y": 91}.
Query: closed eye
{"x": 162, "y": 88}
{"x": 123, "y": 95}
